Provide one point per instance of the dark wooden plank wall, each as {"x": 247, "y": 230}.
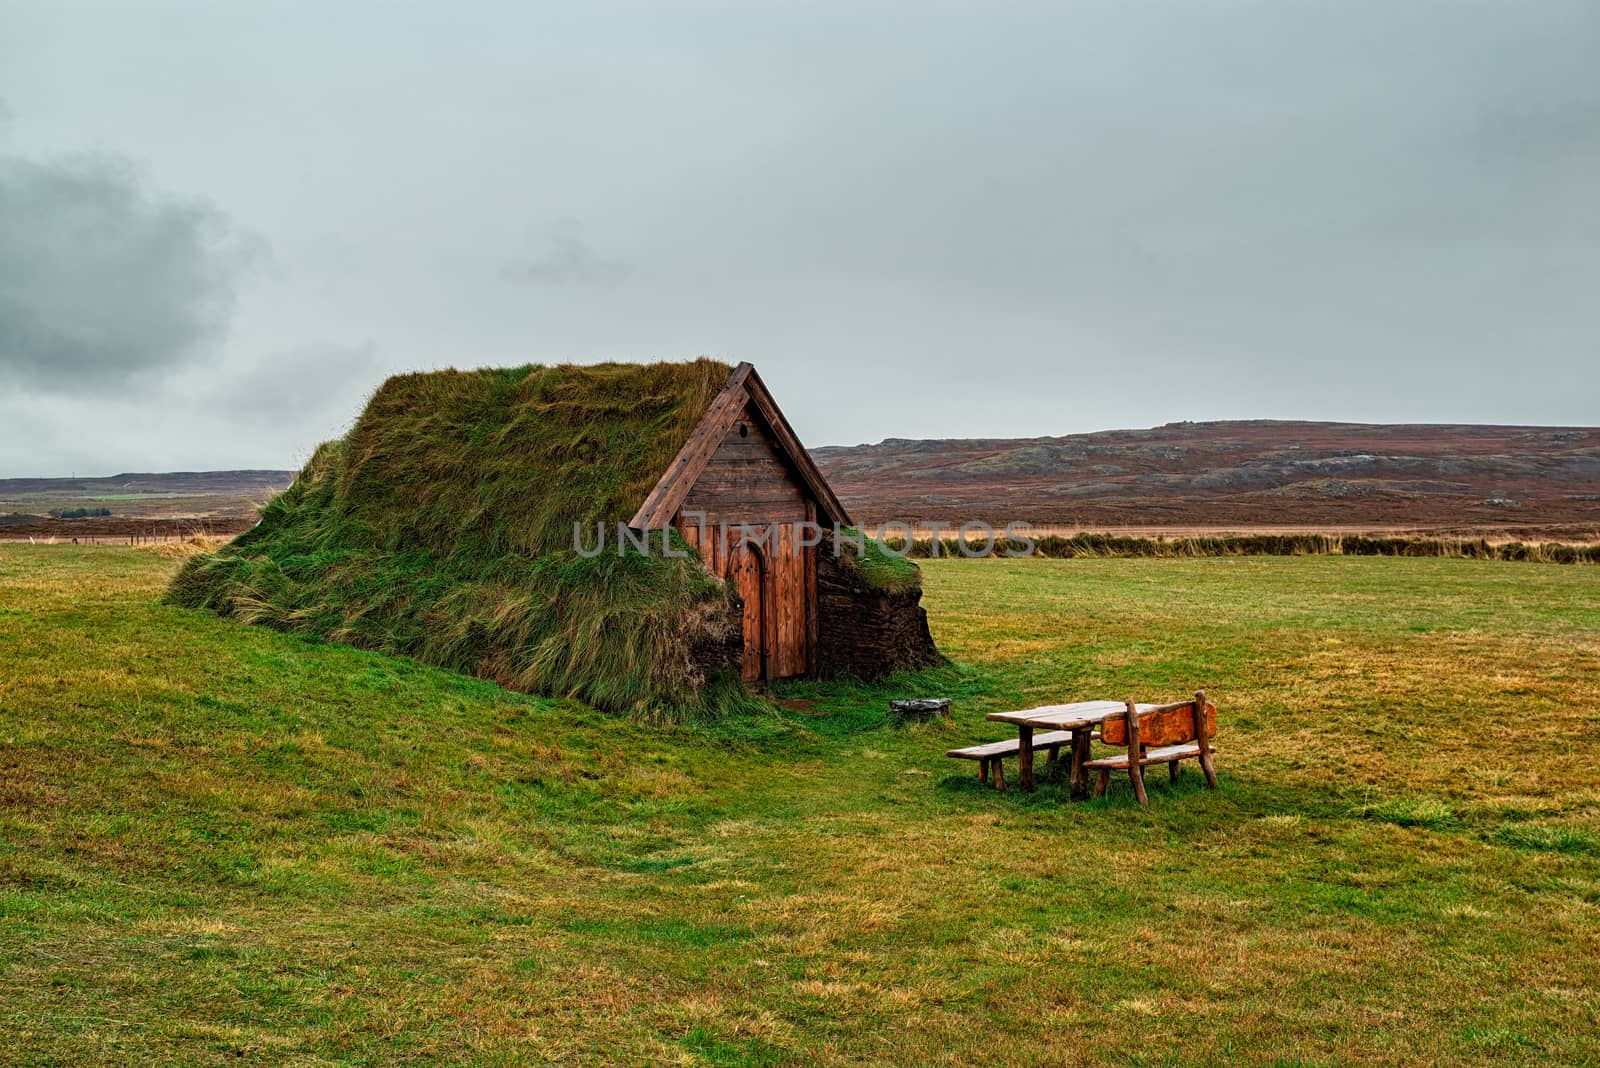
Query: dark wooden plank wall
{"x": 747, "y": 481}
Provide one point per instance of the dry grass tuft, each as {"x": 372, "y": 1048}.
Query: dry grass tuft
{"x": 183, "y": 548}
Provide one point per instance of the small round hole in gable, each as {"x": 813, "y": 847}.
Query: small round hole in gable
{"x": 744, "y": 431}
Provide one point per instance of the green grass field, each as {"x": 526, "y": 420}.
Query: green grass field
{"x": 222, "y": 844}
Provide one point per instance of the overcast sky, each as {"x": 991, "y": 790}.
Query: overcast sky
{"x": 222, "y": 223}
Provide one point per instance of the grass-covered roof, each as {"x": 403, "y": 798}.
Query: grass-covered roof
{"x": 440, "y": 527}
{"x": 494, "y": 461}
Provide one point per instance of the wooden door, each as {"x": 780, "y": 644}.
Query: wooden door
{"x": 747, "y": 572}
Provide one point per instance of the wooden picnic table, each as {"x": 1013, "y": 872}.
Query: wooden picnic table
{"x": 1080, "y": 717}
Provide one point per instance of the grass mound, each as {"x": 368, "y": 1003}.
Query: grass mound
{"x": 441, "y": 527}
{"x": 878, "y": 568}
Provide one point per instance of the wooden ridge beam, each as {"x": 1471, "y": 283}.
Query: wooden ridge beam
{"x": 664, "y": 500}
{"x": 805, "y": 467}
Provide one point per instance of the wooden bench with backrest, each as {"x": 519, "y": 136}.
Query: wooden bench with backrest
{"x": 1163, "y": 734}
{"x": 992, "y": 755}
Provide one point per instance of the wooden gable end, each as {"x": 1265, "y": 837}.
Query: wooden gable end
{"x": 744, "y": 401}
{"x": 739, "y": 491}
{"x": 743, "y": 512}
{"x": 747, "y": 478}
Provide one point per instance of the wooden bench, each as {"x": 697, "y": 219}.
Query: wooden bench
{"x": 1079, "y": 718}
{"x": 1165, "y": 734}
{"x": 992, "y": 754}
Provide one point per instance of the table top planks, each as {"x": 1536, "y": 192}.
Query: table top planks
{"x": 1067, "y": 717}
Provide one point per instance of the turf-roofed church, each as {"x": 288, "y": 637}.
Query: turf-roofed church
{"x": 461, "y": 519}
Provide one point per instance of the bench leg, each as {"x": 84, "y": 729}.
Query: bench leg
{"x": 999, "y": 773}
{"x": 1055, "y": 753}
{"x": 1025, "y": 758}
{"x": 1080, "y": 774}
{"x": 983, "y": 770}
{"x": 1201, "y": 726}
{"x": 1136, "y": 774}
{"x": 1172, "y": 771}
{"x": 1101, "y": 781}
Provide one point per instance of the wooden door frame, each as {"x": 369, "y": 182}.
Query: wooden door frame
{"x": 813, "y": 621}
{"x": 745, "y": 543}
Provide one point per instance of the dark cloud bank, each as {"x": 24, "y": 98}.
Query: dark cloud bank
{"x": 101, "y": 281}
{"x": 115, "y": 307}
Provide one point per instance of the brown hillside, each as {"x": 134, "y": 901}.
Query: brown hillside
{"x": 1239, "y": 475}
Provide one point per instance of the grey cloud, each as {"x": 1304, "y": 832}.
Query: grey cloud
{"x": 268, "y": 409}
{"x": 1542, "y": 130}
{"x": 316, "y": 384}
{"x": 101, "y": 280}
{"x": 567, "y": 260}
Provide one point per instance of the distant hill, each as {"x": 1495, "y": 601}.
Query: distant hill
{"x": 178, "y": 483}
{"x": 1249, "y": 474}
{"x": 1256, "y": 474}
{"x": 141, "y": 503}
